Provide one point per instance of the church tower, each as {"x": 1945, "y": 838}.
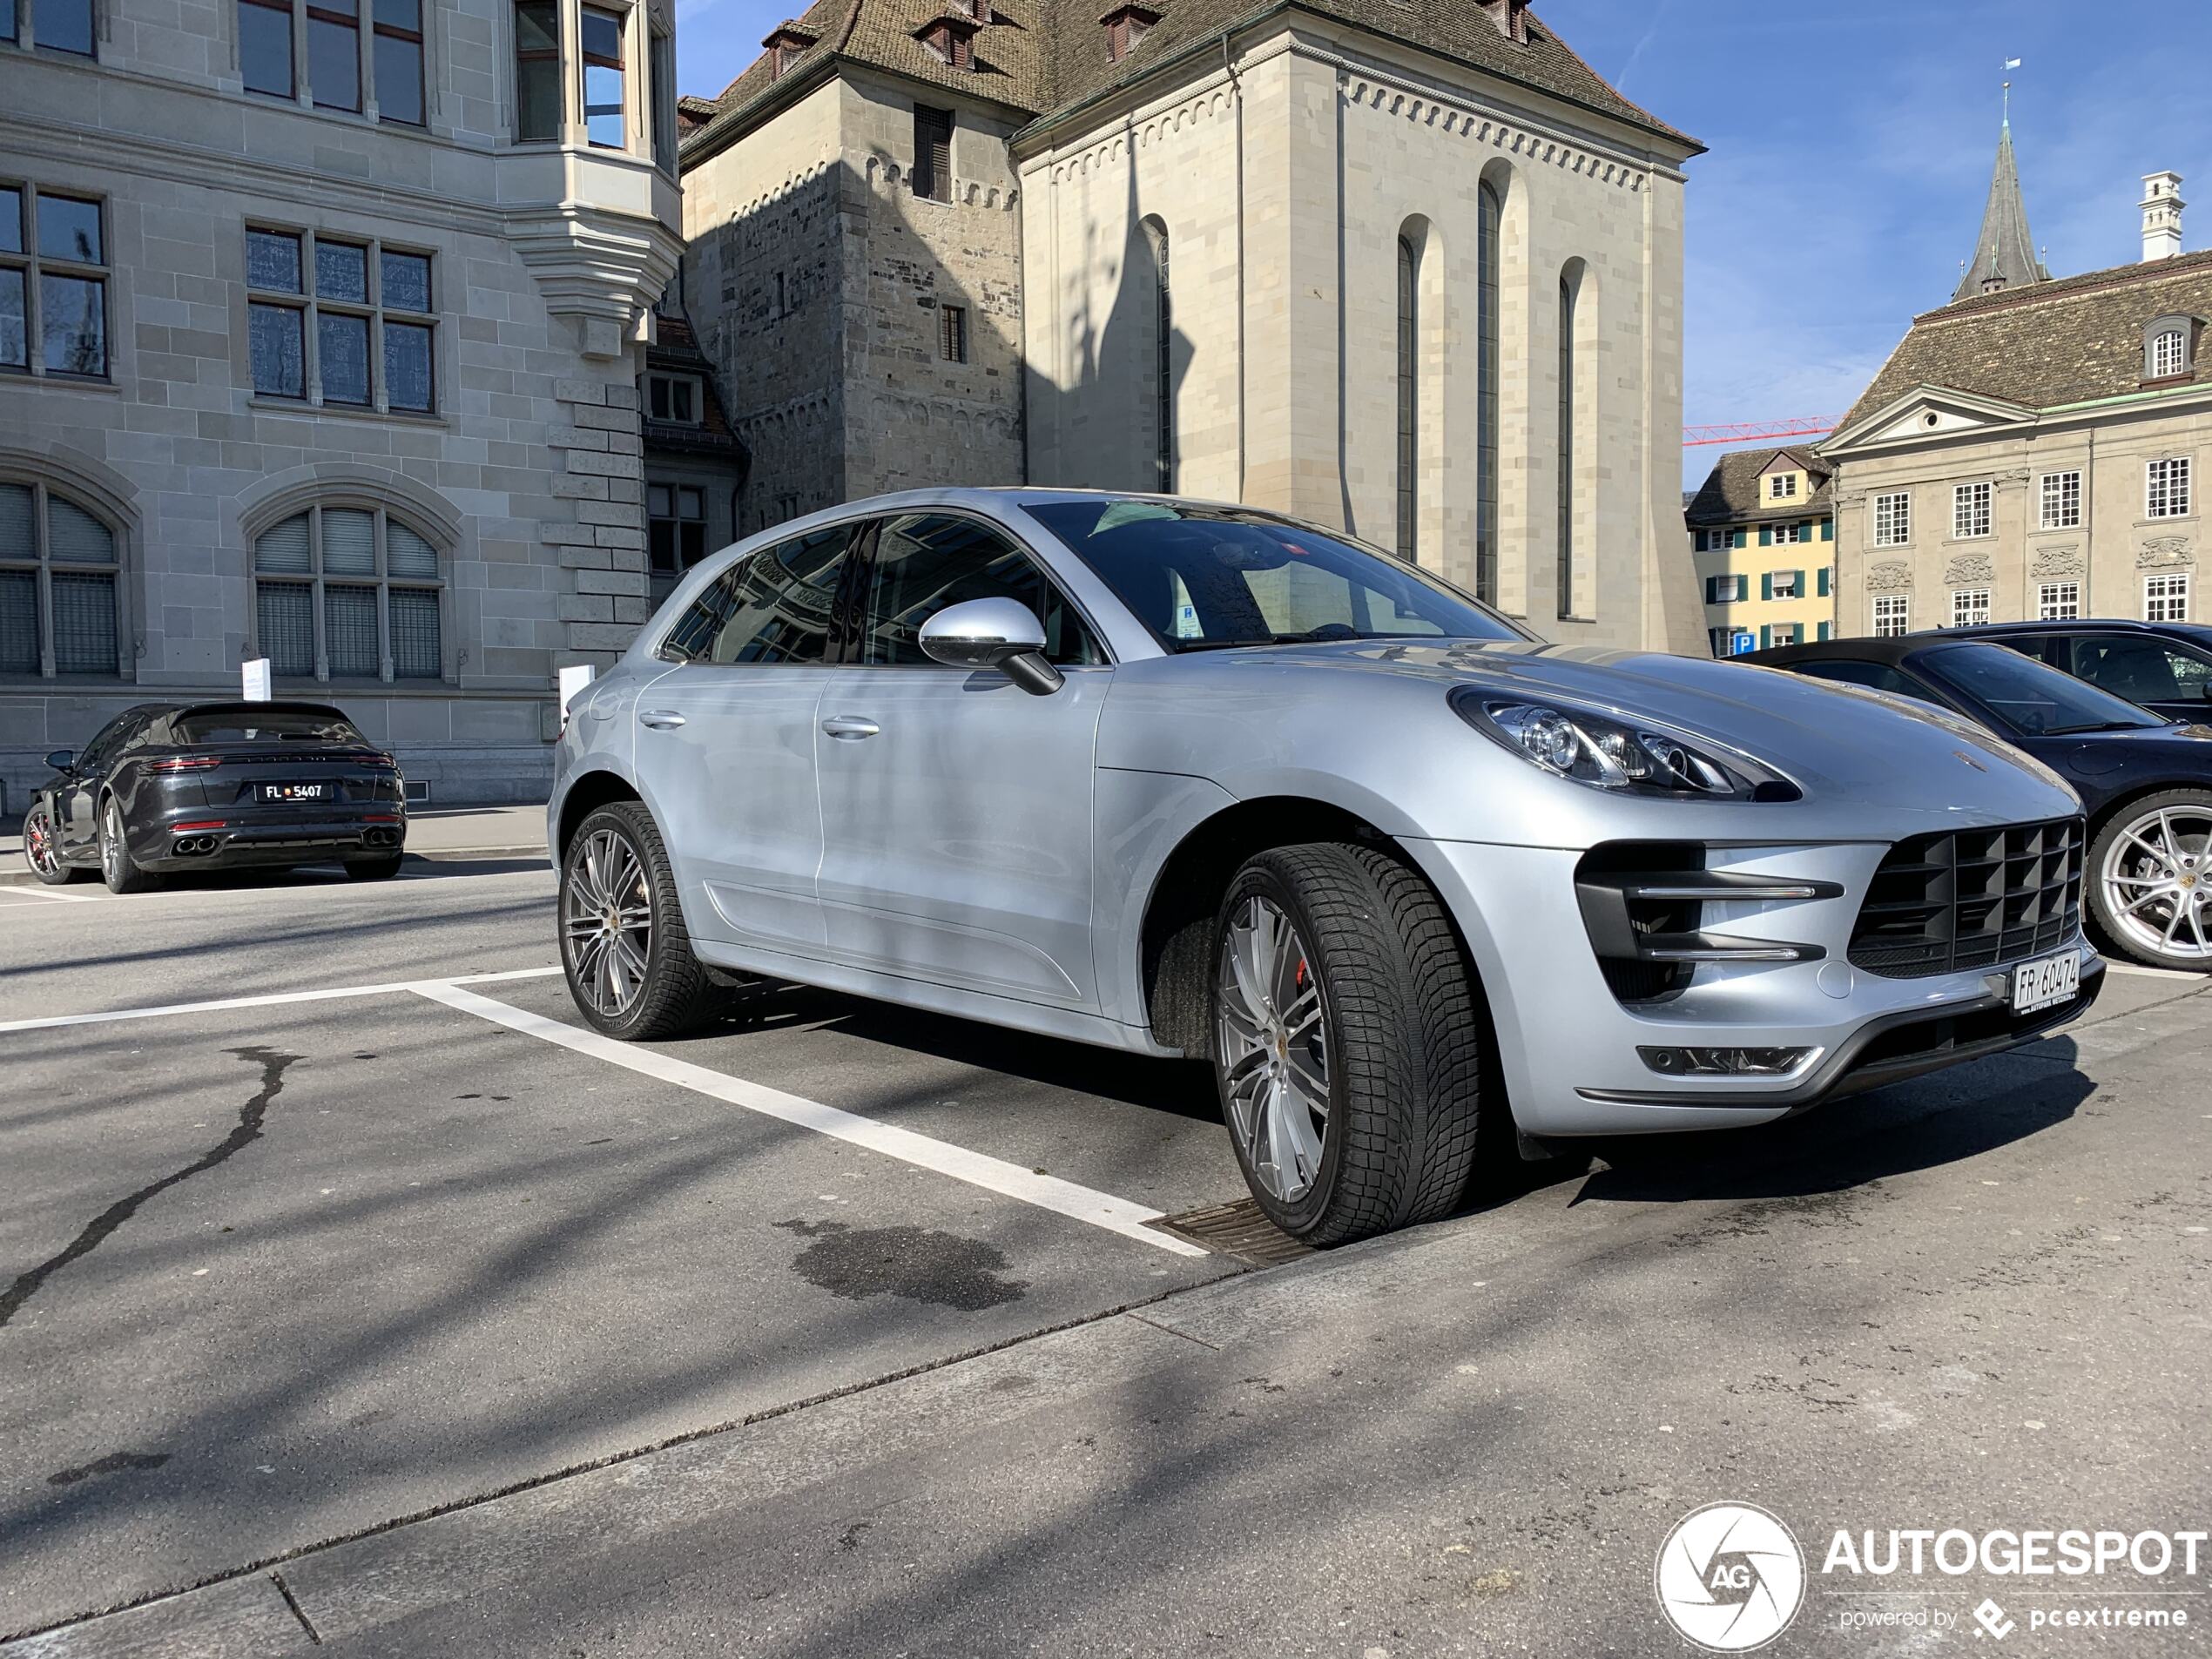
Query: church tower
{"x": 2003, "y": 255}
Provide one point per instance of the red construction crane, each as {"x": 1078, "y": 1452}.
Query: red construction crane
{"x": 1800, "y": 426}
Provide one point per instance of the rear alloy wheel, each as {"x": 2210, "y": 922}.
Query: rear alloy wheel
{"x": 119, "y": 870}
{"x": 623, "y": 945}
{"x": 42, "y": 848}
{"x": 1347, "y": 1041}
{"x": 2151, "y": 873}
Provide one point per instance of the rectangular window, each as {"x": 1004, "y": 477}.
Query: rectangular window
{"x": 1892, "y": 519}
{"x": 2166, "y": 488}
{"x": 1782, "y": 584}
{"x": 604, "y": 107}
{"x": 398, "y": 62}
{"x": 664, "y": 141}
{"x": 1969, "y": 606}
{"x": 333, "y": 339}
{"x": 2057, "y": 602}
{"x": 1893, "y": 614}
{"x": 1782, "y": 487}
{"x": 53, "y": 283}
{"x": 2166, "y": 598}
{"x": 1969, "y": 511}
{"x": 1790, "y": 535}
{"x": 334, "y": 53}
{"x": 2060, "y": 501}
{"x": 677, "y": 398}
{"x": 59, "y": 25}
{"x": 675, "y": 532}
{"x": 933, "y": 173}
{"x": 8, "y": 20}
{"x": 1782, "y": 633}
{"x": 537, "y": 71}
{"x": 952, "y": 333}
{"x": 265, "y": 46}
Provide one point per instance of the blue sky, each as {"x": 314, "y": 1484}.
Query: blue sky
{"x": 1850, "y": 145}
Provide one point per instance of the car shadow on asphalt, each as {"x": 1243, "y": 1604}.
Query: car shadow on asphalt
{"x": 1945, "y": 1118}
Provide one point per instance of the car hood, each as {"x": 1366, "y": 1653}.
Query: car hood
{"x": 1865, "y": 761}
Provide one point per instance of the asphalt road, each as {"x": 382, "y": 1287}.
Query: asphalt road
{"x": 417, "y": 1320}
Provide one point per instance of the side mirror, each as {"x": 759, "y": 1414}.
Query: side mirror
{"x": 1003, "y": 634}
{"x": 61, "y": 759}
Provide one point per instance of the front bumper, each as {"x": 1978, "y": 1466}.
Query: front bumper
{"x": 197, "y": 838}
{"x": 1568, "y": 1048}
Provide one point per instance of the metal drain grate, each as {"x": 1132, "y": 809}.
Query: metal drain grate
{"x": 1239, "y": 1230}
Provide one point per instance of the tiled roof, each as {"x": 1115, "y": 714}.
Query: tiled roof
{"x": 2062, "y": 342}
{"x": 1042, "y": 57}
{"x": 1730, "y": 493}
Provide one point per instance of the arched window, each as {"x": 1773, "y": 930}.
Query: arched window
{"x": 2166, "y": 349}
{"x": 1490, "y": 215}
{"x": 1156, "y": 237}
{"x": 59, "y": 579}
{"x": 1565, "y": 456}
{"x": 1408, "y": 400}
{"x": 347, "y": 592}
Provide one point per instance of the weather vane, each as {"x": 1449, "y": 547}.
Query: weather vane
{"x": 2010, "y": 62}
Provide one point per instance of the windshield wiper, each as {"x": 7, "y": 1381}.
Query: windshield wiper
{"x": 2104, "y": 725}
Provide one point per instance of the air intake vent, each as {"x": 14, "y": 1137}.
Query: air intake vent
{"x": 1971, "y": 899}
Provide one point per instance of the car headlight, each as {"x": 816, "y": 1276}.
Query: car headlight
{"x": 1635, "y": 757}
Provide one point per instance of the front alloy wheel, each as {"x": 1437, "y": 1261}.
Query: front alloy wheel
{"x": 2153, "y": 864}
{"x": 1274, "y": 1049}
{"x": 623, "y": 945}
{"x": 42, "y": 848}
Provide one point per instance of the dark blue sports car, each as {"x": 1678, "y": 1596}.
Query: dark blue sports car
{"x": 2145, "y": 780}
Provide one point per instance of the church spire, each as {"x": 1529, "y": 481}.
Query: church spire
{"x": 2005, "y": 255}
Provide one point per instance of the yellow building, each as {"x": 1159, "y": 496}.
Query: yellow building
{"x": 1761, "y": 534}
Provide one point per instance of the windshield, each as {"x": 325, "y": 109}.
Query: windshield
{"x": 2035, "y": 700}
{"x": 1206, "y": 578}
{"x": 266, "y": 726}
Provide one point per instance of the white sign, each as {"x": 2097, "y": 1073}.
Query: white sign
{"x": 573, "y": 679}
{"x": 256, "y": 676}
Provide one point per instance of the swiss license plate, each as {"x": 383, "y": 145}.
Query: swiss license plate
{"x": 2053, "y": 979}
{"x": 295, "y": 792}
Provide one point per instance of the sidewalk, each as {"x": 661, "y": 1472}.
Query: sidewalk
{"x": 463, "y": 834}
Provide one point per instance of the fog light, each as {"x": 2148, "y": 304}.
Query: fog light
{"x": 1724, "y": 1062}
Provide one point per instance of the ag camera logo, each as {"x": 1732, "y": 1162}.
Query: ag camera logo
{"x": 1731, "y": 1577}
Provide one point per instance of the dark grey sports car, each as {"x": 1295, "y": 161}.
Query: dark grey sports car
{"x": 169, "y": 786}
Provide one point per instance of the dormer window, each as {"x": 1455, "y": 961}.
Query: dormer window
{"x": 1511, "y": 17}
{"x": 951, "y": 35}
{"x": 2166, "y": 347}
{"x": 1782, "y": 486}
{"x": 785, "y": 46}
{"x": 1125, "y": 26}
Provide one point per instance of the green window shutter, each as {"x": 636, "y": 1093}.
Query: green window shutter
{"x": 1804, "y": 531}
{"x": 1736, "y": 540}
{"x": 1766, "y": 536}
{"x": 1742, "y": 587}
{"x": 1766, "y": 584}
{"x": 1766, "y": 635}
{"x": 1827, "y": 529}
{"x": 1825, "y": 577}
{"x": 1712, "y": 590}
{"x": 1824, "y": 630}
{"x": 1800, "y": 575}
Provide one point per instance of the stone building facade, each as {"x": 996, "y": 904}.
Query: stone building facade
{"x": 2034, "y": 449}
{"x": 1763, "y": 540}
{"x": 323, "y": 343}
{"x": 1409, "y": 270}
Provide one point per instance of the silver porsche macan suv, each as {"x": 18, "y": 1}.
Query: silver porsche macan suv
{"x": 1194, "y": 780}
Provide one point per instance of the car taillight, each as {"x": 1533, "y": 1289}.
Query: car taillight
{"x": 189, "y": 763}
{"x": 212, "y": 823}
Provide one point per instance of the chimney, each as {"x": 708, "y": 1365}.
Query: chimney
{"x": 1509, "y": 17}
{"x": 2162, "y": 206}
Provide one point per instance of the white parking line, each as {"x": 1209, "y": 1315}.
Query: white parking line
{"x": 2155, "y": 973}
{"x": 12, "y": 890}
{"x": 993, "y": 1174}
{"x": 270, "y": 1000}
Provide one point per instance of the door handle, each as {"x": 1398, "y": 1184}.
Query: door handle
{"x": 660, "y": 720}
{"x": 850, "y": 726}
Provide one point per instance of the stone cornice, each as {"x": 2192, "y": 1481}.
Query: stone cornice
{"x": 602, "y": 268}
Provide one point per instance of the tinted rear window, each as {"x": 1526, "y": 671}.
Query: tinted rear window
{"x": 268, "y": 725}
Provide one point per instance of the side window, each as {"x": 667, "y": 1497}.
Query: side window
{"x": 773, "y": 607}
{"x": 925, "y": 562}
{"x": 106, "y": 742}
{"x": 2142, "y": 671}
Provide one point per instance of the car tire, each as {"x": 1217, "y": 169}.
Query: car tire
{"x": 374, "y": 869}
{"x": 42, "y": 849}
{"x": 117, "y": 868}
{"x": 1399, "y": 1024}
{"x": 640, "y": 993}
{"x": 2150, "y": 880}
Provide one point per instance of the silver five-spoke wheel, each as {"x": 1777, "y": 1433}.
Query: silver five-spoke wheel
{"x": 607, "y": 922}
{"x": 2157, "y": 881}
{"x": 1274, "y": 1048}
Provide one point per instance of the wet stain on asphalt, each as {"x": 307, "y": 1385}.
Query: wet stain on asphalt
{"x": 912, "y": 1263}
{"x": 114, "y": 1463}
{"x": 250, "y": 1117}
